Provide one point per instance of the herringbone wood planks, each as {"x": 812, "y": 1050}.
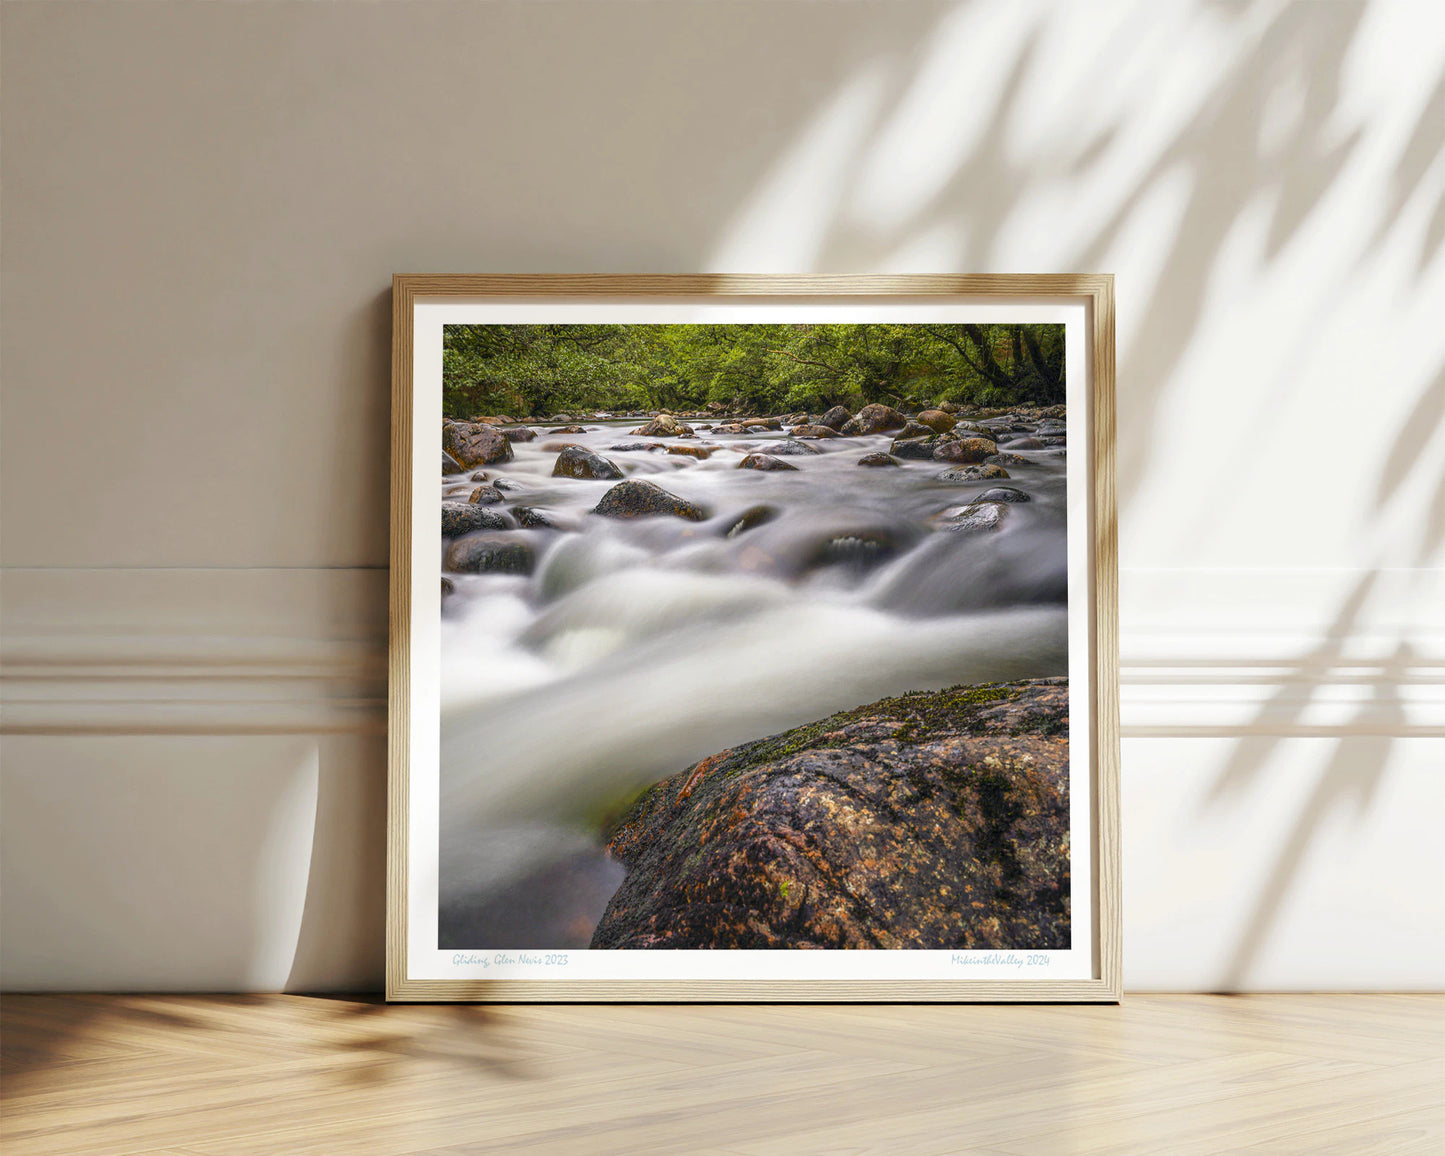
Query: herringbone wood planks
{"x": 238, "y": 1075}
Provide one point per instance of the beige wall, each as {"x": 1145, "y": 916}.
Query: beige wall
{"x": 202, "y": 209}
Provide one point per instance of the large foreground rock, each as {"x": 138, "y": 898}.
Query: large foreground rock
{"x": 639, "y": 499}
{"x": 879, "y": 418}
{"x": 934, "y": 820}
{"x": 475, "y": 444}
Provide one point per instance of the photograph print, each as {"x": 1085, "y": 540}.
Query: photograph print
{"x": 753, "y": 637}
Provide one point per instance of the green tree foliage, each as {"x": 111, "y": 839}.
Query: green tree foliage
{"x": 537, "y": 370}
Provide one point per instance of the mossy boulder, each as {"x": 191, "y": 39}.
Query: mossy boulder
{"x": 836, "y": 418}
{"x": 933, "y": 820}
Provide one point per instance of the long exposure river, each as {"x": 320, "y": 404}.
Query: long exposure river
{"x": 635, "y": 647}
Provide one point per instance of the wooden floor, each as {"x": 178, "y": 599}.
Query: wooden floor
{"x": 228, "y": 1076}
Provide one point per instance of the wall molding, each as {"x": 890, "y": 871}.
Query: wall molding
{"x": 1204, "y": 653}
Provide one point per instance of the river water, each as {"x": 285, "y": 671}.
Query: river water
{"x": 635, "y": 648}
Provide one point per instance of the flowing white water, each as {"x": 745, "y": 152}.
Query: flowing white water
{"x": 637, "y": 647}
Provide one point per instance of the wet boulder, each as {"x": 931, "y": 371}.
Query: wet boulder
{"x": 879, "y": 418}
{"x": 976, "y": 473}
{"x": 475, "y": 443}
{"x": 749, "y": 519}
{"x": 485, "y": 496}
{"x": 579, "y": 462}
{"x": 814, "y": 431}
{"x": 878, "y": 459}
{"x": 761, "y": 423}
{"x": 531, "y": 518}
{"x": 764, "y": 462}
{"x": 450, "y": 465}
{"x": 664, "y": 425}
{"x": 974, "y": 518}
{"x": 968, "y": 451}
{"x": 702, "y": 453}
{"x": 937, "y": 420}
{"x": 933, "y": 820}
{"x": 462, "y": 518}
{"x": 569, "y": 429}
{"x": 1025, "y": 443}
{"x": 786, "y": 449}
{"x": 490, "y": 554}
{"x": 638, "y": 499}
{"x": 836, "y": 418}
{"x": 519, "y": 433}
{"x": 633, "y": 447}
{"x": 1003, "y": 494}
{"x": 1006, "y": 460}
{"x": 913, "y": 430}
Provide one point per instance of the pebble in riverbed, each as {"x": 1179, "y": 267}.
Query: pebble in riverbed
{"x": 878, "y": 459}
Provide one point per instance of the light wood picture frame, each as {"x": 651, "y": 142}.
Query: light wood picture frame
{"x": 508, "y": 323}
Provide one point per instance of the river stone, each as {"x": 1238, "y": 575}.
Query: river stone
{"x": 638, "y": 499}
{"x": 463, "y": 517}
{"x": 878, "y": 459}
{"x": 917, "y": 449}
{"x": 974, "y": 518}
{"x": 764, "y": 462}
{"x": 475, "y": 443}
{"x": 1024, "y": 444}
{"x": 1006, "y": 460}
{"x": 761, "y": 423}
{"x": 578, "y": 462}
{"x": 569, "y": 429}
{"x": 948, "y": 406}
{"x": 1003, "y": 494}
{"x": 836, "y": 418}
{"x": 1051, "y": 442}
{"x": 750, "y": 518}
{"x": 531, "y": 518}
{"x": 448, "y": 586}
{"x": 814, "y": 431}
{"x": 700, "y": 452}
{"x": 937, "y": 420}
{"x": 913, "y": 430}
{"x": 935, "y": 820}
{"x": 519, "y": 433}
{"x": 664, "y": 425}
{"x": 969, "y": 451}
{"x": 879, "y": 418}
{"x": 490, "y": 554}
{"x": 450, "y": 465}
{"x": 485, "y": 496}
{"x": 788, "y": 449}
{"x": 631, "y": 447}
{"x": 981, "y": 473}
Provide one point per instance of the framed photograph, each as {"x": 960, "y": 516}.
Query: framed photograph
{"x": 757, "y": 641}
